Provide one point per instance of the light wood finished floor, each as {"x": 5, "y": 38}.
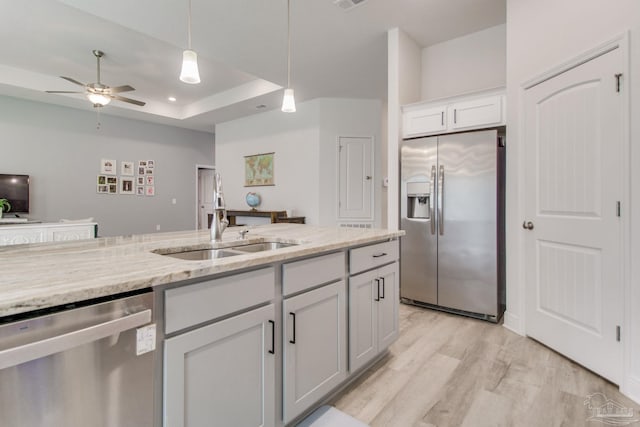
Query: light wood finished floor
{"x": 447, "y": 370}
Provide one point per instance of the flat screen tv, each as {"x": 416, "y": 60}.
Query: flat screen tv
{"x": 15, "y": 188}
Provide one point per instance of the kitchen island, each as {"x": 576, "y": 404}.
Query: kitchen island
{"x": 251, "y": 338}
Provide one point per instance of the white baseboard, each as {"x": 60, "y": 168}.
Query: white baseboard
{"x": 513, "y": 323}
{"x": 631, "y": 388}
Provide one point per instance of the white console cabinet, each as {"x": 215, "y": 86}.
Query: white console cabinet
{"x": 475, "y": 111}
{"x": 15, "y": 234}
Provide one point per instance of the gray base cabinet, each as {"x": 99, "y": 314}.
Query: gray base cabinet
{"x": 222, "y": 374}
{"x": 373, "y": 313}
{"x": 221, "y": 353}
{"x": 315, "y": 346}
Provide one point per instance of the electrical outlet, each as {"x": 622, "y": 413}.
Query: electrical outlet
{"x": 173, "y": 201}
{"x": 385, "y": 181}
{"x": 157, "y": 227}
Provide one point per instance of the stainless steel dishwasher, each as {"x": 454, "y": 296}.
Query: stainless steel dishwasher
{"x": 80, "y": 366}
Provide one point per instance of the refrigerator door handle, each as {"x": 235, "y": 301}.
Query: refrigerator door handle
{"x": 441, "y": 200}
{"x": 432, "y": 190}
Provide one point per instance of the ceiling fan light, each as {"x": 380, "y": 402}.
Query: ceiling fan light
{"x": 189, "y": 73}
{"x": 288, "y": 101}
{"x": 98, "y": 100}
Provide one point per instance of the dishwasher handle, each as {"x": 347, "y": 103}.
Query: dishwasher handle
{"x": 38, "y": 349}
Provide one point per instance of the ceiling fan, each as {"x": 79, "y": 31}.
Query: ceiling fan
{"x": 98, "y": 93}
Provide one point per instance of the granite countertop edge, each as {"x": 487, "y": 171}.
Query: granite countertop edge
{"x": 40, "y": 276}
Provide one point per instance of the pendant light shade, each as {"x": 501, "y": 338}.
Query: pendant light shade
{"x": 288, "y": 101}
{"x": 189, "y": 73}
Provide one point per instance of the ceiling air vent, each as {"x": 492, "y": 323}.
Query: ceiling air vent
{"x": 348, "y": 4}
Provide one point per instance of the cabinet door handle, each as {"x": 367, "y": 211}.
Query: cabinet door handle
{"x": 455, "y": 116}
{"x": 293, "y": 341}
{"x": 442, "y": 118}
{"x": 382, "y": 297}
{"x": 380, "y": 255}
{"x": 273, "y": 337}
{"x": 377, "y": 298}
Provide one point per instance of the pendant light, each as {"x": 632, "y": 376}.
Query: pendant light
{"x": 189, "y": 73}
{"x": 288, "y": 101}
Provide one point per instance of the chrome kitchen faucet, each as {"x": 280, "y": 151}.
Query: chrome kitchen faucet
{"x": 218, "y": 225}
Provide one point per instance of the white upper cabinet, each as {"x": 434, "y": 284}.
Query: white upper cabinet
{"x": 428, "y": 120}
{"x": 477, "y": 111}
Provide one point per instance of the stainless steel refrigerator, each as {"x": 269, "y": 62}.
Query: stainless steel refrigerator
{"x": 452, "y": 209}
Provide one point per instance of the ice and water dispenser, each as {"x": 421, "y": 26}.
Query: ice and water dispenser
{"x": 418, "y": 199}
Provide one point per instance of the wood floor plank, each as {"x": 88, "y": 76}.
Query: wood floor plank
{"x": 420, "y": 392}
{"x": 447, "y": 370}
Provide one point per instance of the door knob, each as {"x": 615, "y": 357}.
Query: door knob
{"x": 527, "y": 225}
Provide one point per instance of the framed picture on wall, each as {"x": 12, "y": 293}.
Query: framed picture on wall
{"x": 150, "y": 180}
{"x": 141, "y": 180}
{"x": 101, "y": 184}
{"x": 140, "y": 190}
{"x": 126, "y": 169}
{"x": 107, "y": 167}
{"x": 126, "y": 186}
{"x": 258, "y": 170}
{"x": 150, "y": 190}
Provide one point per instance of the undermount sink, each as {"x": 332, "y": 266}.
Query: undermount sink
{"x": 264, "y": 246}
{"x": 201, "y": 254}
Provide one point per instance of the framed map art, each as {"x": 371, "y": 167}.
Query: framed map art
{"x": 258, "y": 170}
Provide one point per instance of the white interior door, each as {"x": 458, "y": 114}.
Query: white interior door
{"x": 356, "y": 178}
{"x": 205, "y": 196}
{"x": 574, "y": 142}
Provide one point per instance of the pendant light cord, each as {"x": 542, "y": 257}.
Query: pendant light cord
{"x": 189, "y": 25}
{"x": 288, "y": 44}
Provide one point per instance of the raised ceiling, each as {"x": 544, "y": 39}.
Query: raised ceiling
{"x": 241, "y": 46}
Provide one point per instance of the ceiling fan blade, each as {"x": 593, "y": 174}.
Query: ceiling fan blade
{"x": 118, "y": 89}
{"x": 69, "y": 79}
{"x": 61, "y": 91}
{"x": 129, "y": 100}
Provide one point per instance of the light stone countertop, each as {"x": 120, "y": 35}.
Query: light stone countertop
{"x": 44, "y": 275}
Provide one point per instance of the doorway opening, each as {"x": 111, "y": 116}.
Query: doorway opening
{"x": 204, "y": 195}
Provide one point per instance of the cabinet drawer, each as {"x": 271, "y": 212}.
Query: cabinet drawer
{"x": 21, "y": 236}
{"x": 300, "y": 275}
{"x": 200, "y": 302}
{"x": 63, "y": 234}
{"x": 367, "y": 257}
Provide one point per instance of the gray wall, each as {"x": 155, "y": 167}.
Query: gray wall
{"x": 60, "y": 148}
